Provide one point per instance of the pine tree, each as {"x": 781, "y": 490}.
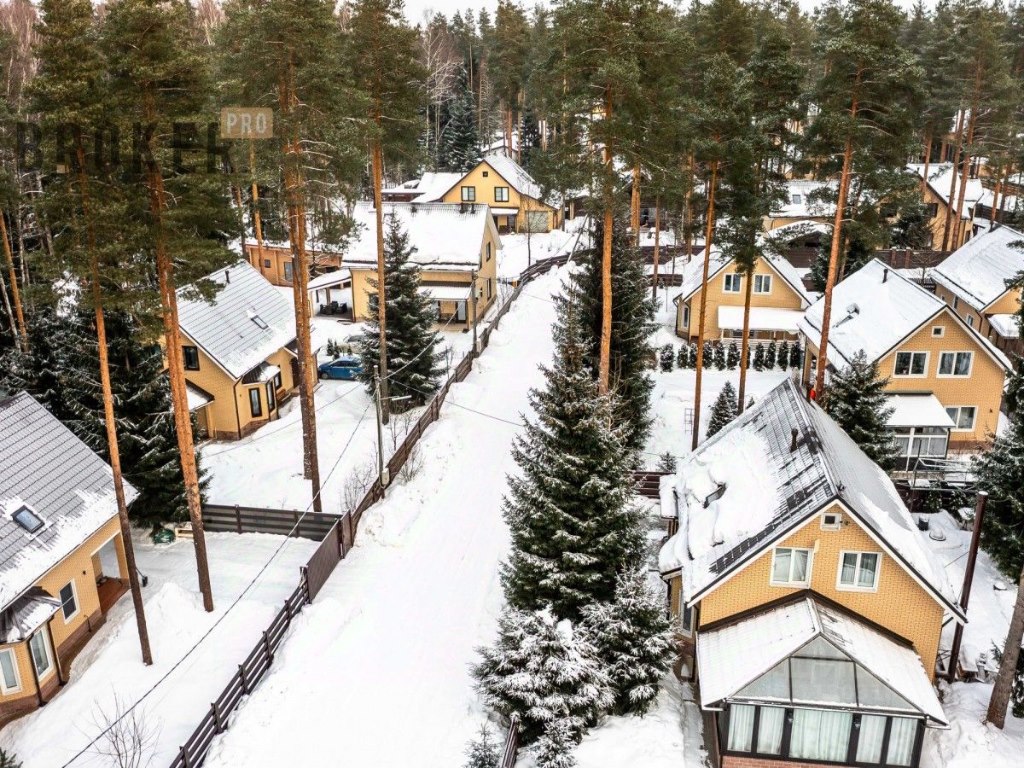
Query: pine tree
{"x": 555, "y": 746}
{"x": 667, "y": 358}
{"x": 723, "y": 411}
{"x": 667, "y": 462}
{"x": 732, "y": 357}
{"x": 782, "y": 359}
{"x": 632, "y": 639}
{"x": 759, "y": 357}
{"x": 718, "y": 355}
{"x": 482, "y": 751}
{"x": 573, "y": 525}
{"x": 857, "y": 400}
{"x": 544, "y": 671}
{"x": 411, "y": 339}
{"x": 632, "y": 314}
{"x": 770, "y": 354}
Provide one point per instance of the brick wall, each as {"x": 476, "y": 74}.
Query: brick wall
{"x": 731, "y": 761}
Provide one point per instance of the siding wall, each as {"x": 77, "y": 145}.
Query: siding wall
{"x": 271, "y": 265}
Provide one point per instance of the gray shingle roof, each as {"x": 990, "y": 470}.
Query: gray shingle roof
{"x": 247, "y": 321}
{"x": 54, "y": 473}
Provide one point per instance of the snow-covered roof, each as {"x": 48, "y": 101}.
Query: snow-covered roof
{"x": 60, "y": 479}
{"x": 750, "y": 660}
{"x": 1005, "y": 325}
{"x": 794, "y": 229}
{"x": 977, "y": 271}
{"x": 197, "y": 397}
{"x": 761, "y": 318}
{"x": 246, "y": 321}
{"x": 917, "y": 410}
{"x": 516, "y": 176}
{"x": 445, "y": 292}
{"x": 427, "y": 188}
{"x": 1007, "y": 203}
{"x": 799, "y": 203}
{"x": 746, "y": 488}
{"x": 693, "y": 274}
{"x": 26, "y": 614}
{"x": 873, "y": 310}
{"x": 941, "y": 175}
{"x": 329, "y": 279}
{"x": 444, "y": 235}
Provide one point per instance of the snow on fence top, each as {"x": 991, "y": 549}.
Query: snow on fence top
{"x": 977, "y": 271}
{"x": 246, "y": 321}
{"x": 62, "y": 482}
{"x": 748, "y": 487}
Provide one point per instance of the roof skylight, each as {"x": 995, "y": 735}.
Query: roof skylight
{"x": 27, "y": 519}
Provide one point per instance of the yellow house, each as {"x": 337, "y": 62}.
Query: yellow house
{"x": 515, "y": 199}
{"x": 239, "y": 352}
{"x": 807, "y": 603}
{"x": 803, "y": 202}
{"x": 62, "y": 562}
{"x": 455, "y": 248}
{"x": 927, "y": 351}
{"x": 937, "y": 201}
{"x": 972, "y": 280}
{"x": 778, "y": 299}
{"x": 274, "y": 261}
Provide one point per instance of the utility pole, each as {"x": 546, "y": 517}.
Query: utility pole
{"x": 965, "y": 596}
{"x": 381, "y": 469}
{"x": 472, "y": 298}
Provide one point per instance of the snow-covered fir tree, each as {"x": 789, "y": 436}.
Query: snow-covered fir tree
{"x": 632, "y": 326}
{"x": 758, "y": 357}
{"x": 632, "y": 638}
{"x": 732, "y": 356}
{"x": 554, "y": 748}
{"x": 857, "y": 400}
{"x": 683, "y": 357}
{"x": 459, "y": 145}
{"x": 782, "y": 359}
{"x": 43, "y": 370}
{"x": 770, "y": 353}
{"x": 414, "y": 366}
{"x": 544, "y": 671}
{"x": 482, "y": 751}
{"x": 666, "y": 358}
{"x": 724, "y": 409}
{"x": 709, "y": 355}
{"x": 718, "y": 355}
{"x": 667, "y": 462}
{"x": 796, "y": 355}
{"x": 573, "y": 523}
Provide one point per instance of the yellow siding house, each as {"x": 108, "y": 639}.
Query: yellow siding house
{"x": 935, "y": 196}
{"x": 940, "y": 369}
{"x": 807, "y": 604}
{"x": 239, "y": 352}
{"x": 62, "y": 562}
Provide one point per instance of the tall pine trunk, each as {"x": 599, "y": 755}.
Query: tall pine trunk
{"x": 995, "y": 202}
{"x": 927, "y": 159}
{"x": 109, "y": 422}
{"x": 745, "y": 344}
{"x": 604, "y": 363}
{"x": 257, "y": 218}
{"x": 378, "y": 184}
{"x": 657, "y": 244}
{"x": 965, "y": 165}
{"x": 708, "y": 235}
{"x": 957, "y": 139}
{"x": 634, "y": 205}
{"x": 19, "y": 312}
{"x": 8, "y": 309}
{"x": 1008, "y": 666}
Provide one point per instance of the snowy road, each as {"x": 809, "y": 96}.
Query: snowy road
{"x": 376, "y": 672}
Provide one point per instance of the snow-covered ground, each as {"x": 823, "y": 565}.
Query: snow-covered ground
{"x": 518, "y": 251}
{"x": 376, "y": 672}
{"x": 110, "y": 669}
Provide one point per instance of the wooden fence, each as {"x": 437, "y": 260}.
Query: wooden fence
{"x": 337, "y": 536}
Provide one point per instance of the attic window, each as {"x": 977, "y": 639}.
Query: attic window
{"x": 485, "y": 174}
{"x": 718, "y": 493}
{"x": 27, "y": 519}
{"x": 938, "y": 331}
{"x": 831, "y": 521}
{"x": 260, "y": 322}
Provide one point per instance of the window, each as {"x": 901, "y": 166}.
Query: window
{"x": 796, "y": 199}
{"x": 191, "y": 356}
{"x": 870, "y": 739}
{"x": 938, "y": 331}
{"x": 911, "y": 364}
{"x": 920, "y": 441}
{"x": 859, "y": 570}
{"x": 9, "y": 681}
{"x": 733, "y": 282}
{"x": 267, "y": 264}
{"x": 255, "y": 403}
{"x": 769, "y": 730}
{"x": 68, "y": 601}
{"x": 486, "y": 174}
{"x": 488, "y": 252}
{"x": 741, "y": 727}
{"x": 791, "y": 566}
{"x": 932, "y": 210}
{"x": 955, "y": 363}
{"x": 820, "y": 735}
{"x": 501, "y": 194}
{"x": 27, "y": 519}
{"x": 469, "y": 194}
{"x": 831, "y": 521}
{"x": 271, "y": 398}
{"x": 39, "y": 650}
{"x": 963, "y": 417}
{"x": 490, "y": 287}
{"x": 288, "y": 271}
{"x": 686, "y": 317}
{"x": 686, "y": 619}
{"x": 902, "y": 735}
{"x": 278, "y": 381}
{"x": 956, "y": 302}
{"x": 762, "y": 283}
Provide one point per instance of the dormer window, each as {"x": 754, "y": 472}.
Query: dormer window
{"x": 27, "y": 519}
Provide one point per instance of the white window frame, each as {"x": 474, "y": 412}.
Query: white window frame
{"x": 956, "y": 421}
{"x": 46, "y": 649}
{"x": 762, "y": 279}
{"x": 855, "y": 587}
{"x": 730, "y": 279}
{"x": 970, "y": 368}
{"x": 833, "y": 526}
{"x": 911, "y": 375}
{"x": 938, "y": 331}
{"x": 74, "y": 597}
{"x": 790, "y": 583}
{"x": 970, "y": 320}
{"x": 468, "y": 193}
{"x": 4, "y": 688}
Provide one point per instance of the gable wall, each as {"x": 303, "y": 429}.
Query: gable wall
{"x": 485, "y": 194}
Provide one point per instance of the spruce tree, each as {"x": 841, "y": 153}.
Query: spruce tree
{"x": 723, "y": 411}
{"x": 770, "y": 354}
{"x": 759, "y": 356}
{"x": 857, "y": 400}
{"x": 667, "y": 358}
{"x": 718, "y": 355}
{"x": 573, "y": 525}
{"x": 544, "y": 671}
{"x": 8, "y": 760}
{"x": 632, "y": 639}
{"x": 482, "y": 751}
{"x": 693, "y": 356}
{"x": 667, "y": 462}
{"x": 683, "y": 357}
{"x": 796, "y": 355}
{"x": 782, "y": 359}
{"x": 459, "y": 144}
{"x": 413, "y": 360}
{"x": 707, "y": 356}
{"x": 732, "y": 357}
{"x": 555, "y": 746}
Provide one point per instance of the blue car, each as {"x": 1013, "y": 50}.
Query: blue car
{"x": 345, "y": 368}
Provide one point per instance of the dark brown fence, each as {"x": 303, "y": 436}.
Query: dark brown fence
{"x": 287, "y": 522}
{"x": 897, "y": 258}
{"x": 336, "y": 536}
